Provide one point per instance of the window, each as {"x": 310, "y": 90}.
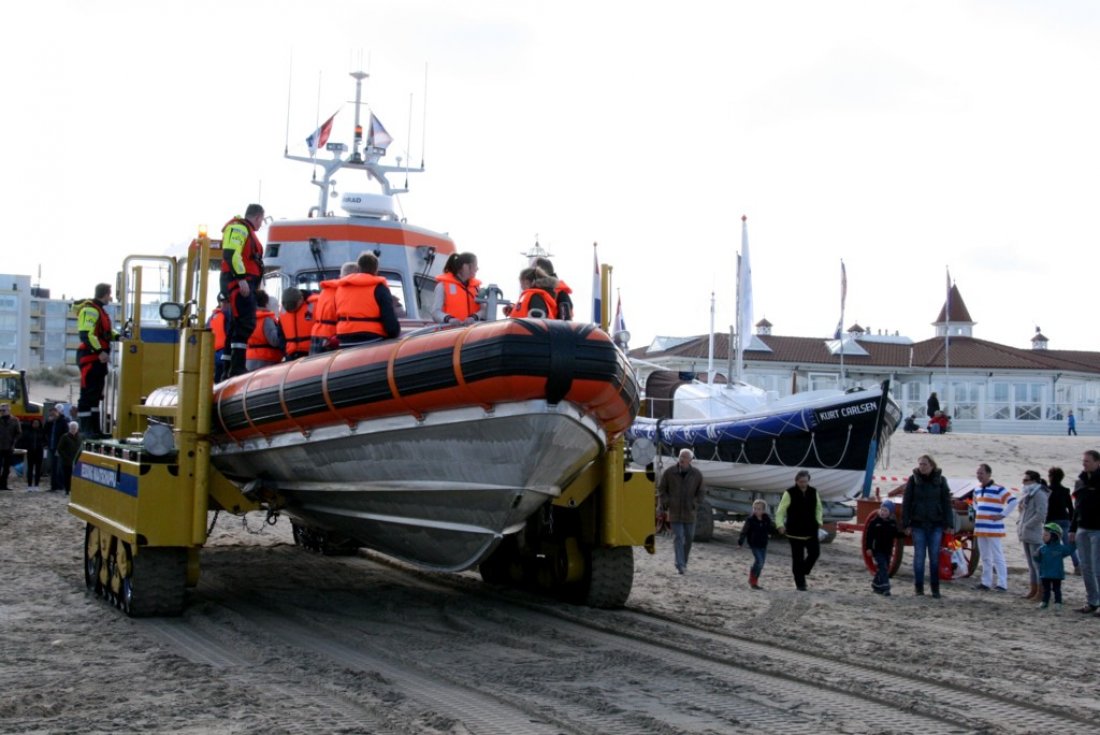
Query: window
{"x": 1028, "y": 399}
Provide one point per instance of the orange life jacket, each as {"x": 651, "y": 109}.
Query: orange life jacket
{"x": 356, "y": 307}
{"x": 297, "y": 328}
{"x": 524, "y": 304}
{"x": 258, "y": 347}
{"x": 217, "y": 326}
{"x": 459, "y": 299}
{"x": 324, "y": 311}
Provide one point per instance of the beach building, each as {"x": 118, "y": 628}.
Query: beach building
{"x": 984, "y": 386}
{"x": 37, "y": 331}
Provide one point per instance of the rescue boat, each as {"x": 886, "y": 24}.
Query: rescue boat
{"x": 429, "y": 448}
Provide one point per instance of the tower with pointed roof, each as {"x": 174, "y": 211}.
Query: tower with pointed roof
{"x": 954, "y": 316}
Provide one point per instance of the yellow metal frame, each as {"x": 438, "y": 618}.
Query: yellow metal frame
{"x": 161, "y": 502}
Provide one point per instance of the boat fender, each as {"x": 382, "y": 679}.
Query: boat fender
{"x": 563, "y": 361}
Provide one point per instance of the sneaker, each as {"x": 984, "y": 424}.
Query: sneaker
{"x": 801, "y": 588}
{"x": 756, "y": 587}
{"x": 919, "y": 591}
{"x": 981, "y": 587}
{"x": 998, "y": 588}
{"x": 1087, "y": 609}
{"x": 1044, "y": 605}
{"x": 886, "y": 593}
{"x": 936, "y": 595}
{"x": 1057, "y": 607}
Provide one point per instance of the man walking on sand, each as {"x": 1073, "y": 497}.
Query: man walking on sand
{"x": 1084, "y": 529}
{"x": 992, "y": 504}
{"x": 681, "y": 492}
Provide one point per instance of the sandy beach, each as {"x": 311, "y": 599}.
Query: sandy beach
{"x": 277, "y": 640}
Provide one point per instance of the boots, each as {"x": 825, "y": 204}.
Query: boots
{"x": 753, "y": 581}
{"x": 1034, "y": 593}
{"x": 236, "y": 362}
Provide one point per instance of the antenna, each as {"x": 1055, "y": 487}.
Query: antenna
{"x": 289, "y": 82}
{"x": 424, "y": 126}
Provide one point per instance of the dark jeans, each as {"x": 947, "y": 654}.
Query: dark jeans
{"x": 926, "y": 545}
{"x": 5, "y": 466}
{"x": 759, "y": 556}
{"x": 804, "y": 553}
{"x": 881, "y": 582}
{"x": 1052, "y": 584}
{"x": 66, "y": 477}
{"x": 33, "y": 469}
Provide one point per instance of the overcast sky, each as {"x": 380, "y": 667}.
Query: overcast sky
{"x": 905, "y": 138}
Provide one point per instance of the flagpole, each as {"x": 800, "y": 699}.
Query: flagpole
{"x": 744, "y": 298}
{"x": 739, "y": 349}
{"x": 947, "y": 340}
{"x": 843, "y": 298}
{"x": 710, "y": 344}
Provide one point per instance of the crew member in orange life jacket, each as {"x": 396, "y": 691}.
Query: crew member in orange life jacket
{"x": 456, "y": 291}
{"x": 537, "y": 300}
{"x": 364, "y": 306}
{"x": 297, "y": 323}
{"x": 242, "y": 269}
{"x": 561, "y": 293}
{"x": 266, "y": 343}
{"x": 324, "y": 312}
{"x": 218, "y": 323}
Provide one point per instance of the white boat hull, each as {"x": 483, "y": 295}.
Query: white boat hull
{"x": 439, "y": 492}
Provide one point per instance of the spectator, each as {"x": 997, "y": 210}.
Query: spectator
{"x": 992, "y": 504}
{"x": 1060, "y": 508}
{"x": 1030, "y": 519}
{"x": 933, "y": 404}
{"x": 68, "y": 449}
{"x": 881, "y": 536}
{"x": 799, "y": 516}
{"x": 680, "y": 493}
{"x": 1084, "y": 530}
{"x": 925, "y": 514}
{"x": 939, "y": 424}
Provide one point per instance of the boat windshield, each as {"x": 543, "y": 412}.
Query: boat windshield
{"x": 311, "y": 281}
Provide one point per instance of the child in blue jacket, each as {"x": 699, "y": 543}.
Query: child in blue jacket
{"x": 1052, "y": 569}
{"x": 756, "y": 529}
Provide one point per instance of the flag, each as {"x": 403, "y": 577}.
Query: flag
{"x": 947, "y": 302}
{"x": 378, "y": 137}
{"x": 744, "y": 289}
{"x": 320, "y": 135}
{"x": 597, "y": 296}
{"x": 620, "y": 323}
{"x": 843, "y": 298}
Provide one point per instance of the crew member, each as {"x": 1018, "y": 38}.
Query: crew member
{"x": 324, "y": 312}
{"x": 536, "y": 300}
{"x": 217, "y": 324}
{"x": 456, "y": 291}
{"x": 364, "y": 306}
{"x": 297, "y": 323}
{"x": 242, "y": 269}
{"x": 96, "y": 335}
{"x": 561, "y": 292}
{"x": 266, "y": 343}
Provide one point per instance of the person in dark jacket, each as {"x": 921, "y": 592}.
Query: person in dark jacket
{"x": 933, "y": 404}
{"x": 925, "y": 514}
{"x": 68, "y": 449}
{"x": 756, "y": 529}
{"x": 1084, "y": 529}
{"x": 1060, "y": 508}
{"x": 879, "y": 539}
{"x": 9, "y": 439}
{"x": 680, "y": 493}
{"x": 33, "y": 440}
{"x": 799, "y": 516}
{"x": 56, "y": 426}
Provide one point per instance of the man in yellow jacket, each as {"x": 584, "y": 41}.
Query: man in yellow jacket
{"x": 96, "y": 334}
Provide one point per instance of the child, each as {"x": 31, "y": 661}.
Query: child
{"x": 1051, "y": 569}
{"x": 757, "y": 528}
{"x": 882, "y": 533}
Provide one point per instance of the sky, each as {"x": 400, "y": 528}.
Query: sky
{"x": 907, "y": 139}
